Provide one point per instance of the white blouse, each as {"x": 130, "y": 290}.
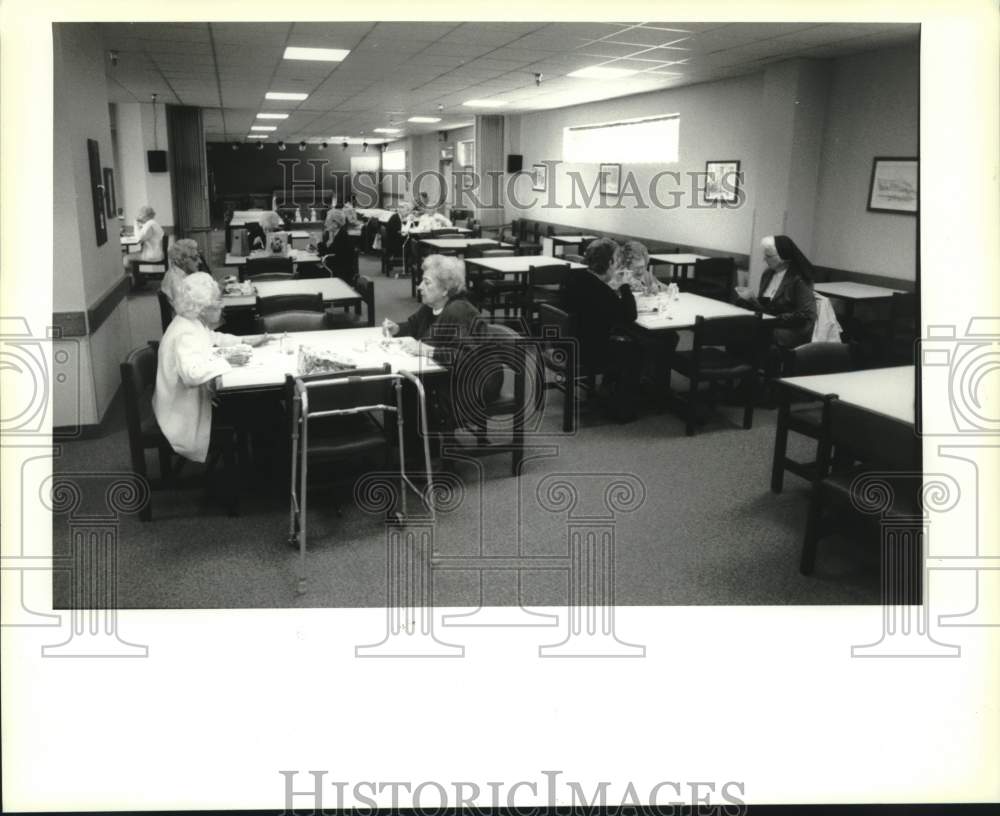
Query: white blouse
{"x": 150, "y": 237}
{"x": 182, "y": 402}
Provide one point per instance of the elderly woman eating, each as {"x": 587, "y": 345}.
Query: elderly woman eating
{"x": 190, "y": 357}
{"x": 631, "y": 266}
{"x": 444, "y": 319}
{"x": 184, "y": 259}
{"x": 337, "y": 247}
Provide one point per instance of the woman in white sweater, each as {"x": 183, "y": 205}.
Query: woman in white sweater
{"x": 191, "y": 356}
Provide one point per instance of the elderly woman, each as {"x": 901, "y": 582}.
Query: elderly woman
{"x": 598, "y": 310}
{"x": 267, "y": 233}
{"x": 337, "y": 247}
{"x": 150, "y": 237}
{"x": 185, "y": 259}
{"x": 786, "y": 291}
{"x": 437, "y": 329}
{"x": 631, "y": 266}
{"x": 188, "y": 362}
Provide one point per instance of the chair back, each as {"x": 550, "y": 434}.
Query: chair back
{"x": 166, "y": 309}
{"x": 286, "y": 303}
{"x": 714, "y": 278}
{"x": 498, "y": 354}
{"x": 496, "y": 253}
{"x": 524, "y": 248}
{"x": 551, "y": 275}
{"x": 346, "y": 391}
{"x": 444, "y": 232}
{"x": 554, "y": 322}
{"x": 292, "y": 321}
{"x": 272, "y": 276}
{"x": 819, "y": 358}
{"x": 254, "y": 267}
{"x": 876, "y": 440}
{"x": 311, "y": 271}
{"x": 366, "y": 288}
{"x": 738, "y": 333}
{"x": 138, "y": 374}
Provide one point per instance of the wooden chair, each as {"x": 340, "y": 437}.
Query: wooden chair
{"x": 277, "y": 265}
{"x": 293, "y": 321}
{"x": 713, "y": 278}
{"x": 284, "y": 303}
{"x": 497, "y": 350}
{"x": 885, "y": 450}
{"x": 166, "y": 309}
{"x": 342, "y": 320}
{"x": 812, "y": 358}
{"x": 138, "y": 374}
{"x": 559, "y": 351}
{"x": 725, "y": 350}
{"x": 545, "y": 283}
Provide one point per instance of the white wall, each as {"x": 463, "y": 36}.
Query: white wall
{"x": 718, "y": 120}
{"x": 83, "y": 272}
{"x": 137, "y": 185}
{"x": 873, "y": 111}
{"x": 805, "y": 132}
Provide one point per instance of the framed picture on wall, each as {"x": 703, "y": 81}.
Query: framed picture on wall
{"x": 894, "y": 185}
{"x": 610, "y": 177}
{"x": 539, "y": 177}
{"x": 97, "y": 191}
{"x": 110, "y": 205}
{"x": 722, "y": 181}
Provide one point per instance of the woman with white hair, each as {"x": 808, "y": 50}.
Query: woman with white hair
{"x": 631, "y": 266}
{"x": 336, "y": 247}
{"x": 190, "y": 357}
{"x": 184, "y": 257}
{"x": 438, "y": 328}
{"x": 150, "y": 237}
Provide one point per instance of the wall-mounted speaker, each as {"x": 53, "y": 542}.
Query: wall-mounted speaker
{"x": 156, "y": 161}
{"x": 515, "y": 161}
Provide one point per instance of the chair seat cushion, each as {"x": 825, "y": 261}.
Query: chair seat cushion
{"x": 715, "y": 363}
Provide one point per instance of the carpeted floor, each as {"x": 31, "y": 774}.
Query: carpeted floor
{"x": 707, "y": 531}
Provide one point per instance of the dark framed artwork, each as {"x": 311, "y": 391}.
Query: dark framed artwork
{"x": 722, "y": 181}
{"x": 894, "y": 185}
{"x": 110, "y": 204}
{"x": 539, "y": 177}
{"x": 97, "y": 191}
{"x": 610, "y": 176}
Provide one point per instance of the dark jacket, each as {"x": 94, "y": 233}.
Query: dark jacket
{"x": 342, "y": 248}
{"x": 598, "y": 311}
{"x": 793, "y": 306}
{"x": 394, "y": 236}
{"x": 456, "y": 335}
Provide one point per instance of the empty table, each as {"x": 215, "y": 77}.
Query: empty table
{"x": 890, "y": 392}
{"x": 851, "y": 293}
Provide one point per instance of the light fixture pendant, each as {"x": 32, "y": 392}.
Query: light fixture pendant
{"x": 302, "y": 145}
{"x": 281, "y": 146}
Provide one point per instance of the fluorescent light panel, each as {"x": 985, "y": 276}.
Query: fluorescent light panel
{"x": 272, "y": 115}
{"x": 601, "y": 72}
{"x": 385, "y": 130}
{"x": 483, "y": 103}
{"x": 292, "y": 97}
{"x": 317, "y": 54}
{"x": 256, "y": 136}
{"x": 424, "y": 120}
{"x": 263, "y": 127}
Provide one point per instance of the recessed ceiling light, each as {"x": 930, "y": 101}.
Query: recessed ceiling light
{"x": 424, "y": 120}
{"x": 483, "y": 103}
{"x": 256, "y": 136}
{"x": 263, "y": 127}
{"x": 272, "y": 115}
{"x": 293, "y": 97}
{"x": 319, "y": 54}
{"x": 601, "y": 72}
{"x": 385, "y": 130}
